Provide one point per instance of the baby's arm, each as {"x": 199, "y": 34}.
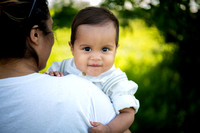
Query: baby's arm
{"x": 120, "y": 124}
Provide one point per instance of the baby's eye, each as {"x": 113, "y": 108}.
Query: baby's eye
{"x": 105, "y": 49}
{"x": 87, "y": 49}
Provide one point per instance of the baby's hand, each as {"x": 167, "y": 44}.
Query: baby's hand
{"x": 99, "y": 128}
{"x": 57, "y": 74}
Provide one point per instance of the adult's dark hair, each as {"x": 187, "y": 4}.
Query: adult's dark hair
{"x": 17, "y": 18}
{"x": 93, "y": 16}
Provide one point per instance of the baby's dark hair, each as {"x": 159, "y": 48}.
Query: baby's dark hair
{"x": 93, "y": 16}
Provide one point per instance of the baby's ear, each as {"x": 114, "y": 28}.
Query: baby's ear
{"x": 71, "y": 46}
{"x": 117, "y": 46}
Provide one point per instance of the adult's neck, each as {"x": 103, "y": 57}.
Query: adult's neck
{"x": 17, "y": 67}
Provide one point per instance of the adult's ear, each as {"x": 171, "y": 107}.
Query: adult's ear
{"x": 34, "y": 36}
{"x": 71, "y": 46}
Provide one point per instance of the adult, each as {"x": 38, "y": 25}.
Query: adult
{"x": 31, "y": 102}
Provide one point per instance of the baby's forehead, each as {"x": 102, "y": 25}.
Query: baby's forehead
{"x": 92, "y": 30}
{"x": 103, "y": 29}
{"x": 96, "y": 29}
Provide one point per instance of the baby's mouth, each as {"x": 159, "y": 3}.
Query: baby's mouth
{"x": 95, "y": 65}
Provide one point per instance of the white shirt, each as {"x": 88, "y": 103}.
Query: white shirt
{"x": 39, "y": 103}
{"x": 113, "y": 83}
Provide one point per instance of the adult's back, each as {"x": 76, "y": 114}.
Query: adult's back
{"x": 39, "y": 103}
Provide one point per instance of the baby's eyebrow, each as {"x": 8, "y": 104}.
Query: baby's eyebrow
{"x": 109, "y": 46}
{"x": 84, "y": 45}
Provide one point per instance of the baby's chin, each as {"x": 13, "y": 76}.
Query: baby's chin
{"x": 94, "y": 75}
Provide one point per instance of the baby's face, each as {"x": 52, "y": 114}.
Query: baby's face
{"x": 94, "y": 48}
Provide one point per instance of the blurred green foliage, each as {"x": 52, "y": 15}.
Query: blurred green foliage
{"x": 159, "y": 42}
{"x": 63, "y": 16}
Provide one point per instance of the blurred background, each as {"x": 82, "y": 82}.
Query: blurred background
{"x": 159, "y": 50}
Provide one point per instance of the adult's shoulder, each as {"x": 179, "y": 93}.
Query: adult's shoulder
{"x": 72, "y": 84}
{"x": 72, "y": 79}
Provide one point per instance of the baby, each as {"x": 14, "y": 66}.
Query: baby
{"x": 94, "y": 41}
